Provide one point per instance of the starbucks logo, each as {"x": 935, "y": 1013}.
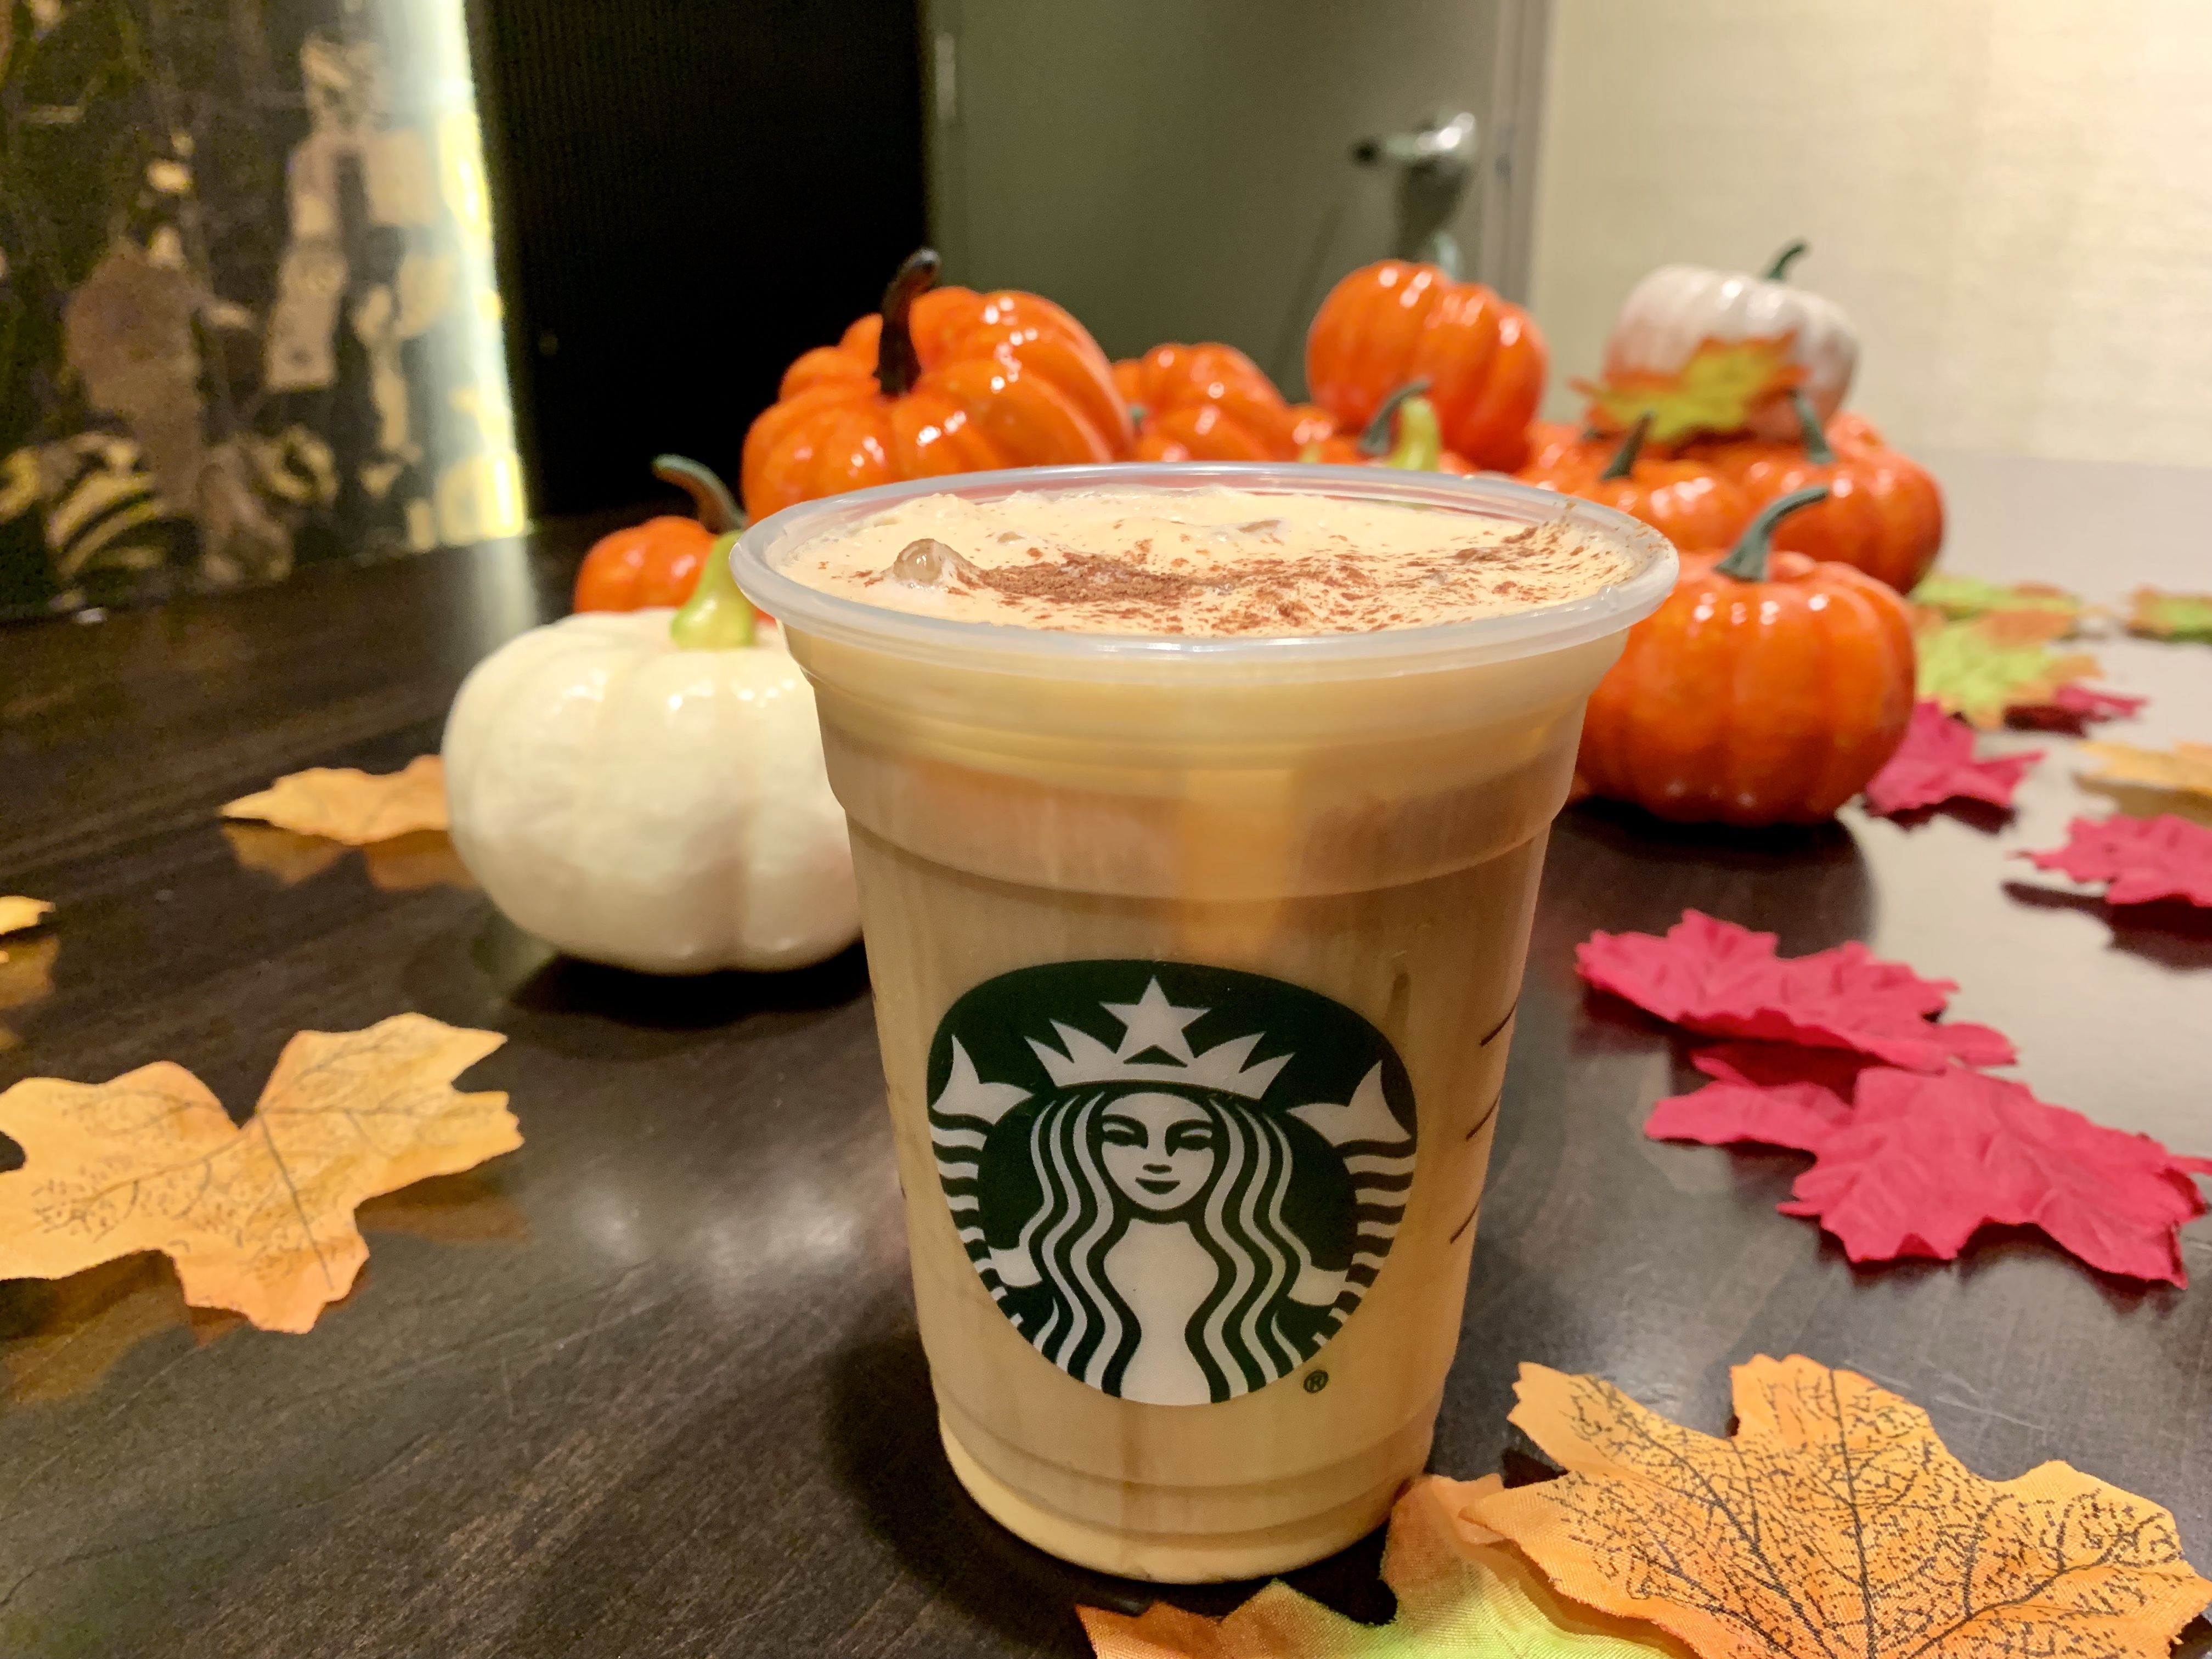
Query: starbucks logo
{"x": 1176, "y": 1181}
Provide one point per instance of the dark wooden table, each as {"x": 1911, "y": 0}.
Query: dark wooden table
{"x": 650, "y": 1385}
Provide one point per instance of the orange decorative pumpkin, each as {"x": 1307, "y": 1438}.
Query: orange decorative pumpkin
{"x": 1562, "y": 448}
{"x": 944, "y": 381}
{"x": 1394, "y": 322}
{"x": 1211, "y": 403}
{"x": 1767, "y": 688}
{"x": 1883, "y": 514}
{"x": 1690, "y": 504}
{"x": 1404, "y": 433}
{"x": 657, "y": 562}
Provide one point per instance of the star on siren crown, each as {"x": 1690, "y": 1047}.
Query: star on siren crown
{"x": 1153, "y": 1022}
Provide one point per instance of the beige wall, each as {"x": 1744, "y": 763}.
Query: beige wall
{"x": 2012, "y": 198}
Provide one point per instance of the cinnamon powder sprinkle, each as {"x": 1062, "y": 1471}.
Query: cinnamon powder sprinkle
{"x": 1239, "y": 563}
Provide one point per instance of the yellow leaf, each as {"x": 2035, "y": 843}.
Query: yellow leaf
{"x": 1716, "y": 391}
{"x": 1461, "y": 1590}
{"x": 341, "y": 803}
{"x": 259, "y": 1217}
{"x": 2185, "y": 768}
{"x": 17, "y": 913}
{"x": 1834, "y": 1523}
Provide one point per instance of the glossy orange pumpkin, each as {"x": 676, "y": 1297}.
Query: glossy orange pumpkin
{"x": 1884, "y": 513}
{"x": 1562, "y": 448}
{"x": 1394, "y": 322}
{"x": 657, "y": 562}
{"x": 944, "y": 381}
{"x": 1693, "y": 506}
{"x": 1767, "y": 688}
{"x": 1211, "y": 403}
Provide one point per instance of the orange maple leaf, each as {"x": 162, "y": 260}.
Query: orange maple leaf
{"x": 341, "y": 803}
{"x": 1717, "y": 390}
{"x": 257, "y": 1216}
{"x": 1460, "y": 1590}
{"x": 17, "y": 913}
{"x": 2185, "y": 768}
{"x": 1834, "y": 1523}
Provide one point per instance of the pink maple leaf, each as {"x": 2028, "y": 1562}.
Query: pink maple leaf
{"x": 2143, "y": 859}
{"x": 1936, "y": 762}
{"x": 2074, "y": 706}
{"x": 1714, "y": 976}
{"x": 1919, "y": 1162}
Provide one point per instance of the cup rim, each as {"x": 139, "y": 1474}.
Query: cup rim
{"x": 1011, "y": 646}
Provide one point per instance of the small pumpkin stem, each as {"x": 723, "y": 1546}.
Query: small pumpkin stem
{"x": 717, "y": 616}
{"x": 1818, "y": 449}
{"x": 1746, "y": 560}
{"x": 1421, "y": 445}
{"x": 1778, "y": 268}
{"x": 711, "y": 502}
{"x": 898, "y": 365}
{"x": 1382, "y": 431}
{"x": 1624, "y": 458}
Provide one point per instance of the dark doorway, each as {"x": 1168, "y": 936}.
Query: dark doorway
{"x": 691, "y": 193}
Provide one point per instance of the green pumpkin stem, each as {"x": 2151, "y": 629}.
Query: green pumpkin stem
{"x": 1624, "y": 458}
{"x": 898, "y": 365}
{"x": 711, "y": 502}
{"x": 1746, "y": 562}
{"x": 1421, "y": 445}
{"x": 1778, "y": 268}
{"x": 717, "y": 616}
{"x": 1818, "y": 449}
{"x": 1382, "y": 431}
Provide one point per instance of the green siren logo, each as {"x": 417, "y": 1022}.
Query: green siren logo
{"x": 1177, "y": 1182}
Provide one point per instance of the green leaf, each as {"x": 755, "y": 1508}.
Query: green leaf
{"x": 1973, "y": 669}
{"x": 1960, "y": 596}
{"x": 2172, "y": 615}
{"x": 1461, "y": 1590}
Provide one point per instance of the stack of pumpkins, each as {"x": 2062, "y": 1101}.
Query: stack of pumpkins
{"x": 1769, "y": 688}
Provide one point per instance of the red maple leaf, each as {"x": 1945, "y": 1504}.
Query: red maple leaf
{"x": 1714, "y": 976}
{"x": 1936, "y": 762}
{"x": 1917, "y": 1164}
{"x": 2074, "y": 706}
{"x": 2143, "y": 858}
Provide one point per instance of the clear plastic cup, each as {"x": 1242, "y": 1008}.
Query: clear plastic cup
{"x": 1195, "y": 962}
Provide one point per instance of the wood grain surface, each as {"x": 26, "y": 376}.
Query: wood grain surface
{"x": 650, "y": 1385}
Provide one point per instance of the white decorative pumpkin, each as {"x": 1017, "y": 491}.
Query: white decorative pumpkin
{"x": 634, "y": 802}
{"x": 1677, "y": 308}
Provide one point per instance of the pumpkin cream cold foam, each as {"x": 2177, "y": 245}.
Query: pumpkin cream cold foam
{"x": 1213, "y": 563}
{"x": 1197, "y": 832}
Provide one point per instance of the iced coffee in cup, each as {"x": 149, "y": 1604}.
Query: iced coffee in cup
{"x": 1197, "y": 813}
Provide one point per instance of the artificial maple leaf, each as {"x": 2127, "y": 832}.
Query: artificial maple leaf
{"x": 1714, "y": 976}
{"x": 2170, "y": 616}
{"x": 1461, "y": 1590}
{"x": 257, "y": 1216}
{"x": 1775, "y": 1091}
{"x": 1936, "y": 762}
{"x": 1833, "y": 1525}
{"x": 341, "y": 803}
{"x": 422, "y": 858}
{"x": 2186, "y": 768}
{"x": 1981, "y": 668}
{"x": 1912, "y": 1165}
{"x": 2145, "y": 859}
{"x": 1716, "y": 391}
{"x": 1960, "y": 596}
{"x": 2074, "y": 707}
{"x": 17, "y": 913}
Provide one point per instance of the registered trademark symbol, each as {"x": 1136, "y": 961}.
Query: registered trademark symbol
{"x": 1317, "y": 1381}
